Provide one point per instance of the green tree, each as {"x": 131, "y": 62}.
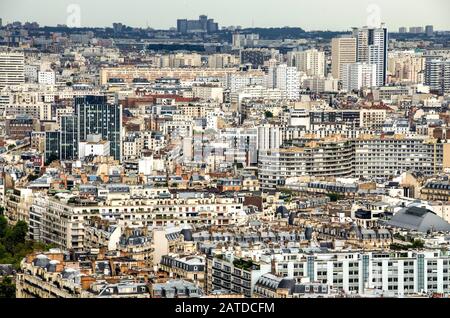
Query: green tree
{"x": 334, "y": 197}
{"x": 268, "y": 114}
{"x": 418, "y": 244}
{"x": 3, "y": 226}
{"x": 15, "y": 236}
{"x": 7, "y": 288}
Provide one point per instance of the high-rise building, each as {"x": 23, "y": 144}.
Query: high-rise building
{"x": 52, "y": 142}
{"x": 406, "y": 66}
{"x": 437, "y": 75}
{"x": 343, "y": 51}
{"x": 311, "y": 62}
{"x": 68, "y": 138}
{"x": 97, "y": 117}
{"x": 358, "y": 75}
{"x": 269, "y": 137}
{"x": 244, "y": 40}
{"x": 429, "y": 30}
{"x": 11, "y": 69}
{"x": 286, "y": 79}
{"x": 416, "y": 30}
{"x": 371, "y": 48}
{"x": 182, "y": 26}
{"x": 402, "y": 30}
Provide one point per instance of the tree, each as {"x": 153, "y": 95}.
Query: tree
{"x": 417, "y": 244}
{"x": 268, "y": 114}
{"x": 7, "y": 288}
{"x": 32, "y": 177}
{"x": 334, "y": 197}
{"x": 15, "y": 236}
{"x": 3, "y": 225}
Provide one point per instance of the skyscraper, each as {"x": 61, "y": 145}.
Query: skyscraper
{"x": 11, "y": 69}
{"x": 343, "y": 51}
{"x": 437, "y": 75}
{"x": 52, "y": 142}
{"x": 371, "y": 48}
{"x": 96, "y": 117}
{"x": 68, "y": 138}
{"x": 358, "y": 75}
{"x": 312, "y": 62}
{"x": 429, "y": 30}
{"x": 286, "y": 79}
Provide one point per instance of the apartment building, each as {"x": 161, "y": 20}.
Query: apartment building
{"x": 328, "y": 158}
{"x": 395, "y": 273}
{"x": 343, "y": 51}
{"x": 435, "y": 190}
{"x": 11, "y": 69}
{"x": 389, "y": 156}
{"x": 127, "y": 74}
{"x": 311, "y": 62}
{"x": 64, "y": 219}
{"x": 190, "y": 268}
{"x": 238, "y": 276}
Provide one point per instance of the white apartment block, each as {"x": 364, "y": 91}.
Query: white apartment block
{"x": 47, "y": 78}
{"x": 311, "y": 62}
{"x": 63, "y": 219}
{"x": 357, "y": 76}
{"x": 285, "y": 78}
{"x": 269, "y": 137}
{"x": 11, "y": 69}
{"x": 394, "y": 273}
{"x": 385, "y": 157}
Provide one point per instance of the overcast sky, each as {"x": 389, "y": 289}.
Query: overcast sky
{"x": 308, "y": 14}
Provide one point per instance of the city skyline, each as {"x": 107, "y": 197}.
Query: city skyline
{"x": 164, "y": 15}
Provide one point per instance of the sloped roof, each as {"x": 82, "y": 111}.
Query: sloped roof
{"x": 419, "y": 219}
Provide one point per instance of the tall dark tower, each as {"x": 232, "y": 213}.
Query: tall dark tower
{"x": 97, "y": 117}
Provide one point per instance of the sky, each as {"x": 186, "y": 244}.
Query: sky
{"x": 162, "y": 14}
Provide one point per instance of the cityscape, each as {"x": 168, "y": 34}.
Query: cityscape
{"x": 218, "y": 162}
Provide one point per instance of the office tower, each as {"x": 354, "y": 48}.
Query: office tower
{"x": 371, "y": 48}
{"x": 97, "y": 117}
{"x": 429, "y": 30}
{"x": 437, "y": 75}
{"x": 69, "y": 138}
{"x": 62, "y": 144}
{"x": 402, "y": 30}
{"x": 286, "y": 79}
{"x": 11, "y": 69}
{"x": 52, "y": 149}
{"x": 311, "y": 62}
{"x": 358, "y": 75}
{"x": 343, "y": 51}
